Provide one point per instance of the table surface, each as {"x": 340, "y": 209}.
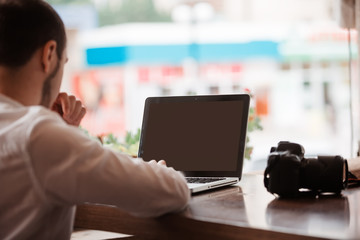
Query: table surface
{"x": 245, "y": 209}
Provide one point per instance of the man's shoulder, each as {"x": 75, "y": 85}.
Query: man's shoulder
{"x": 40, "y": 111}
{"x": 11, "y": 111}
{"x": 37, "y": 114}
{"x": 27, "y": 117}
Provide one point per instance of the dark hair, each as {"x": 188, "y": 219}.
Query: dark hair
{"x": 25, "y": 26}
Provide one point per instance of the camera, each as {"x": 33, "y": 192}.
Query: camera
{"x": 289, "y": 173}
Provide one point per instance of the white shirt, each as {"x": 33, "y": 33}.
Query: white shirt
{"x": 47, "y": 167}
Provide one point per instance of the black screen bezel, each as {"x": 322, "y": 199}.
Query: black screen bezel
{"x": 244, "y": 98}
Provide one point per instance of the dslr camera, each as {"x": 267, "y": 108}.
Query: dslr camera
{"x": 290, "y": 174}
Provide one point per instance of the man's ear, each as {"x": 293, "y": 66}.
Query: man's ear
{"x": 49, "y": 56}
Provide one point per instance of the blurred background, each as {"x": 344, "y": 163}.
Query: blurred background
{"x": 298, "y": 63}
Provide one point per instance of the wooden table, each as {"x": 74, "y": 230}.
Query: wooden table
{"x": 242, "y": 211}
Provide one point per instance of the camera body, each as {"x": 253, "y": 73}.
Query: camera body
{"x": 288, "y": 171}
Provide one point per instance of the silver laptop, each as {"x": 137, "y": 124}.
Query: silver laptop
{"x": 202, "y": 136}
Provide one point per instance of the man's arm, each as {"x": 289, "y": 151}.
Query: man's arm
{"x": 73, "y": 169}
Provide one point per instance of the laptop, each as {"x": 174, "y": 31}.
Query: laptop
{"x": 202, "y": 136}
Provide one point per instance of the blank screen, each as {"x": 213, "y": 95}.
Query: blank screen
{"x": 194, "y": 136}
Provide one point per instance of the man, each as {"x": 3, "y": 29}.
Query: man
{"x": 47, "y": 165}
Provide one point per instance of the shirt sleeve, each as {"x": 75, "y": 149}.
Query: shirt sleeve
{"x": 72, "y": 168}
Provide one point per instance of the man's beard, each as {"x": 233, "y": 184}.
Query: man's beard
{"x": 46, "y": 90}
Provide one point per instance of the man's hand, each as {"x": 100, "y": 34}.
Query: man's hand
{"x": 70, "y": 109}
{"x": 354, "y": 166}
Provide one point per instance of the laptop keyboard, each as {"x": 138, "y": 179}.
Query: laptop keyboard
{"x": 203, "y": 179}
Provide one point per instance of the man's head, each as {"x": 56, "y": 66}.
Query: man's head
{"x": 26, "y": 28}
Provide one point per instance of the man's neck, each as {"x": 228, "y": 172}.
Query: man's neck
{"x": 20, "y": 84}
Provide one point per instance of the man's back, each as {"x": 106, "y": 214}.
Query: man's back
{"x": 25, "y": 210}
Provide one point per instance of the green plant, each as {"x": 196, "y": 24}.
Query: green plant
{"x": 130, "y": 145}
{"x": 254, "y": 124}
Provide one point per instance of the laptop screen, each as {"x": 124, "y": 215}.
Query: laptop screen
{"x": 199, "y": 135}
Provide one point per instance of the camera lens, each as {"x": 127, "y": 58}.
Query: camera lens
{"x": 324, "y": 174}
